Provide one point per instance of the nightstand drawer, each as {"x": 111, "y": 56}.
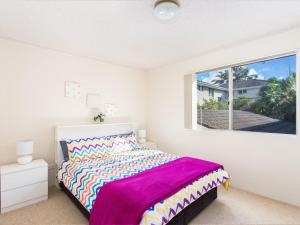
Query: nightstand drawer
{"x": 23, "y": 194}
{"x": 22, "y": 178}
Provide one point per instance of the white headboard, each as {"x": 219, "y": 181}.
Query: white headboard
{"x": 84, "y": 131}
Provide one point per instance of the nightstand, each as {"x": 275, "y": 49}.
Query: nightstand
{"x": 22, "y": 185}
{"x": 150, "y": 145}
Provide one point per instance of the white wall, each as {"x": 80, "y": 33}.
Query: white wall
{"x": 32, "y": 95}
{"x": 267, "y": 164}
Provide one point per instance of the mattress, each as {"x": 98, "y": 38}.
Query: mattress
{"x": 84, "y": 179}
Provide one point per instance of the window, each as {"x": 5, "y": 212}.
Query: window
{"x": 212, "y": 102}
{"x": 211, "y": 92}
{"x": 242, "y": 92}
{"x": 258, "y": 96}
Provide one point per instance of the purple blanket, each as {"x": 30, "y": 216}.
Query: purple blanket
{"x": 124, "y": 201}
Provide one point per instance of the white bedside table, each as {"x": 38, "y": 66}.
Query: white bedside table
{"x": 147, "y": 144}
{"x": 22, "y": 185}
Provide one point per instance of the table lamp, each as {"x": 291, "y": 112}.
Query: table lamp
{"x": 24, "y": 151}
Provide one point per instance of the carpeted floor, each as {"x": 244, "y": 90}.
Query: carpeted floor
{"x": 233, "y": 207}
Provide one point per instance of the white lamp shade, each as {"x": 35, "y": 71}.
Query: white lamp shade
{"x": 142, "y": 133}
{"x": 24, "y": 147}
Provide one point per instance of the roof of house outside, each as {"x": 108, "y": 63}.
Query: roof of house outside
{"x": 236, "y": 84}
{"x": 223, "y": 87}
{"x": 243, "y": 120}
{"x": 248, "y": 83}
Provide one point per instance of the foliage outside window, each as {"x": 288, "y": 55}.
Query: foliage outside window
{"x": 261, "y": 97}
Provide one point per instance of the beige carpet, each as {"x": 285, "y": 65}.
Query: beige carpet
{"x": 233, "y": 207}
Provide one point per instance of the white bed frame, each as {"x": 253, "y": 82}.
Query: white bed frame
{"x": 85, "y": 131}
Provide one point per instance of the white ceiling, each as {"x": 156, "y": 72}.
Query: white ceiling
{"x": 125, "y": 32}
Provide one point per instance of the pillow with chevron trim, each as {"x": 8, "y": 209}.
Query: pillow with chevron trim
{"x": 125, "y": 141}
{"x": 88, "y": 148}
{"x": 121, "y": 145}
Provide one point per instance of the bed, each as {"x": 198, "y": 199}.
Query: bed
{"x": 82, "y": 180}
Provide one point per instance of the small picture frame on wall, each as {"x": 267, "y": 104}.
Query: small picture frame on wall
{"x": 110, "y": 109}
{"x": 72, "y": 89}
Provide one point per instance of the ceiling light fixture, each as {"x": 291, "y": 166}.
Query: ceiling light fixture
{"x": 166, "y": 9}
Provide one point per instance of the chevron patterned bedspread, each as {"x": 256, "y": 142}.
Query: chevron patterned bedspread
{"x": 85, "y": 178}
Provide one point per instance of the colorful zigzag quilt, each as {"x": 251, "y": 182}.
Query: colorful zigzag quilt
{"x": 85, "y": 178}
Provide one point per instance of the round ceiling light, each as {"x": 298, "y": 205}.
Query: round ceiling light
{"x": 166, "y": 9}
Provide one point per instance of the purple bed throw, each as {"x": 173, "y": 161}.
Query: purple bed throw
{"x": 124, "y": 201}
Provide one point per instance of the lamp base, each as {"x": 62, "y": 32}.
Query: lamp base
{"x": 25, "y": 159}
